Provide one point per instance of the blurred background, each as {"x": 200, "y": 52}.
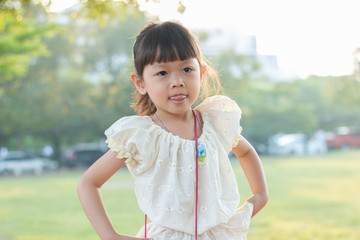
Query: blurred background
{"x": 292, "y": 66}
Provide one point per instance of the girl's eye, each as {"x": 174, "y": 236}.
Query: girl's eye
{"x": 187, "y": 70}
{"x": 162, "y": 73}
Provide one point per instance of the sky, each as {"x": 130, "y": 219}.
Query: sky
{"x": 309, "y": 37}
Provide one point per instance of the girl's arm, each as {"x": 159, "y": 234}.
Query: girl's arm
{"x": 251, "y": 164}
{"x": 90, "y": 196}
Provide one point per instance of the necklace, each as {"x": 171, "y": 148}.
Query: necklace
{"x": 164, "y": 127}
{"x": 162, "y": 124}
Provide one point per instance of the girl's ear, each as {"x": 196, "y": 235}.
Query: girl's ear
{"x": 139, "y": 83}
{"x": 202, "y": 73}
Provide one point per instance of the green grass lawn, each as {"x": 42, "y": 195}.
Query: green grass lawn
{"x": 315, "y": 198}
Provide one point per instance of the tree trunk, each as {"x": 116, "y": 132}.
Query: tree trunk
{"x": 56, "y": 143}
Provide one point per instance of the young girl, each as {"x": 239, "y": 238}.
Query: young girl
{"x": 177, "y": 155}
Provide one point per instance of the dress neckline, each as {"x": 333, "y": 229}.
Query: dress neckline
{"x": 162, "y": 130}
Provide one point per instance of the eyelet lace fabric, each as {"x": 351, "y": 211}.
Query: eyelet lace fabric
{"x": 163, "y": 167}
{"x": 235, "y": 229}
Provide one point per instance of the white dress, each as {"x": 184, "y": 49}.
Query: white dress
{"x": 163, "y": 166}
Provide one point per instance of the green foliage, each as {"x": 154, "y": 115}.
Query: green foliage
{"x": 289, "y": 107}
{"x": 344, "y": 90}
{"x": 20, "y": 41}
{"x": 67, "y": 83}
{"x": 73, "y": 85}
{"x": 268, "y": 107}
{"x": 338, "y": 100}
{"x": 105, "y": 11}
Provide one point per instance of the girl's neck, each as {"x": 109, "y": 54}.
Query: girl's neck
{"x": 175, "y": 117}
{"x": 181, "y": 125}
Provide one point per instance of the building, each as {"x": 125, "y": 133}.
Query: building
{"x": 220, "y": 39}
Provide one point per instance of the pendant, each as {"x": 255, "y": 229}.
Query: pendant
{"x": 201, "y": 151}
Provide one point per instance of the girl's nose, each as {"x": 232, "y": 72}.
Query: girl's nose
{"x": 177, "y": 81}
{"x": 178, "y": 84}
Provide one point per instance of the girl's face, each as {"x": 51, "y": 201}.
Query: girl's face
{"x": 172, "y": 86}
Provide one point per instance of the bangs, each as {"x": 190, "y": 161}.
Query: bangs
{"x": 166, "y": 42}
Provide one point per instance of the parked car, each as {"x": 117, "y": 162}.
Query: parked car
{"x": 19, "y": 162}
{"x": 343, "y": 138}
{"x": 287, "y": 144}
{"x": 82, "y": 156}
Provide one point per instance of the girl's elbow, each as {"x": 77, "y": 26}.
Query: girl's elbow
{"x": 83, "y": 185}
{"x": 265, "y": 197}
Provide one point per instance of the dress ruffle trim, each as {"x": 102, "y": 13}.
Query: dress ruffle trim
{"x": 122, "y": 152}
{"x": 237, "y": 138}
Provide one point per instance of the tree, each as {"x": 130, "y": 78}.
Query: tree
{"x": 343, "y": 93}
{"x": 81, "y": 85}
{"x": 268, "y": 107}
{"x": 21, "y": 41}
{"x": 356, "y": 55}
{"x": 21, "y": 37}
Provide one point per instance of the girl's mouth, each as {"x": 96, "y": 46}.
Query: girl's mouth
{"x": 178, "y": 99}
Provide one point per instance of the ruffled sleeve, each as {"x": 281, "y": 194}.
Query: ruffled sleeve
{"x": 127, "y": 137}
{"x": 224, "y": 116}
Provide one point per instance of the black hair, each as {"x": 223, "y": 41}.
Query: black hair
{"x": 164, "y": 42}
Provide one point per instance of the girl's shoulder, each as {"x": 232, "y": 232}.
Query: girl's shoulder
{"x": 128, "y": 125}
{"x": 131, "y": 138}
{"x": 223, "y": 114}
{"x": 218, "y": 105}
